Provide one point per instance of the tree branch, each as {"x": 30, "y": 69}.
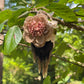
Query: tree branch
{"x": 75, "y": 49}
{"x": 69, "y": 25}
{"x": 21, "y": 44}
{"x": 79, "y": 15}
{"x": 79, "y": 21}
{"x": 65, "y": 60}
{"x": 24, "y": 45}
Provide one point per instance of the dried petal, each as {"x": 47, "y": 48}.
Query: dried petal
{"x": 39, "y": 41}
{"x": 28, "y": 38}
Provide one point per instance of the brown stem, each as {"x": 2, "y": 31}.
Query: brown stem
{"x": 69, "y": 25}
{"x": 79, "y": 21}
{"x": 23, "y": 45}
{"x": 65, "y": 60}
{"x": 79, "y": 15}
{"x": 75, "y": 49}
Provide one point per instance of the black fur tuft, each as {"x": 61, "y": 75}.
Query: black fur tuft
{"x": 42, "y": 55}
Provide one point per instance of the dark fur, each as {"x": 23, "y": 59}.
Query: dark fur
{"x": 43, "y": 52}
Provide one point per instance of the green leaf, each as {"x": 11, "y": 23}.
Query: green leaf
{"x": 79, "y": 58}
{"x": 67, "y": 78}
{"x": 42, "y": 3}
{"x": 1, "y": 47}
{"x": 47, "y": 80}
{"x": 76, "y": 82}
{"x": 1, "y": 27}
{"x": 12, "y": 38}
{"x": 80, "y": 12}
{"x": 5, "y": 15}
{"x": 20, "y": 21}
{"x": 14, "y": 18}
{"x": 19, "y": 52}
{"x": 53, "y": 61}
{"x": 63, "y": 11}
{"x": 63, "y": 2}
{"x": 77, "y": 1}
{"x": 61, "y": 48}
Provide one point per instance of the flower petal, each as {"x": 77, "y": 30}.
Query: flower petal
{"x": 39, "y": 41}
{"x": 28, "y": 38}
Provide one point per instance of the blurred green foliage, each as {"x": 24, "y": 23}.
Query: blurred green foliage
{"x": 18, "y": 60}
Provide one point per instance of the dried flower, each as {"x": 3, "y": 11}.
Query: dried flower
{"x": 40, "y": 33}
{"x": 38, "y": 30}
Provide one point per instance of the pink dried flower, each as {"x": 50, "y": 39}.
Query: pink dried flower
{"x": 36, "y": 25}
{"x": 38, "y": 30}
